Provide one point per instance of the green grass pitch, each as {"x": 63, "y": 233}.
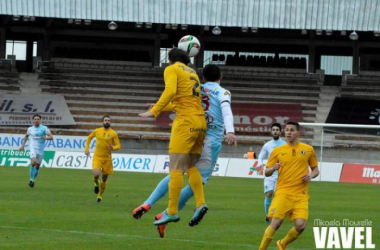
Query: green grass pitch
{"x": 60, "y": 212}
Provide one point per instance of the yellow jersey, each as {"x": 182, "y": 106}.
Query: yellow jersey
{"x": 104, "y": 138}
{"x": 295, "y": 162}
{"x": 182, "y": 89}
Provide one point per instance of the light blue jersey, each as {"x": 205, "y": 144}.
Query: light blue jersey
{"x": 36, "y": 143}
{"x": 213, "y": 95}
{"x": 270, "y": 181}
{"x": 267, "y": 150}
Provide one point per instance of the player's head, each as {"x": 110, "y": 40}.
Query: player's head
{"x": 292, "y": 131}
{"x": 211, "y": 73}
{"x": 178, "y": 55}
{"x": 250, "y": 149}
{"x": 275, "y": 130}
{"x": 106, "y": 121}
{"x": 36, "y": 120}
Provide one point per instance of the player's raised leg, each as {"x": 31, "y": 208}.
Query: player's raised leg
{"x": 159, "y": 192}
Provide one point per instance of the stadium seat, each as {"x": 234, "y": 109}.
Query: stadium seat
{"x": 256, "y": 61}
{"x": 236, "y": 60}
{"x": 250, "y": 61}
{"x": 282, "y": 62}
{"x": 276, "y": 61}
{"x": 242, "y": 60}
{"x": 297, "y": 62}
{"x": 303, "y": 63}
{"x": 269, "y": 61}
{"x": 262, "y": 61}
{"x": 229, "y": 60}
{"x": 290, "y": 62}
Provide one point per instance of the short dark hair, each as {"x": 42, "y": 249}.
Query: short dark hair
{"x": 211, "y": 73}
{"x": 106, "y": 116}
{"x": 276, "y": 124}
{"x": 37, "y": 115}
{"x": 295, "y": 124}
{"x": 179, "y": 55}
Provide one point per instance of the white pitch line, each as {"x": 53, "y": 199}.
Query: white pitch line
{"x": 130, "y": 236}
{"x": 235, "y": 245}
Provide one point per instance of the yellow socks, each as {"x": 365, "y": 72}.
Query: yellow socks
{"x": 195, "y": 182}
{"x": 175, "y": 187}
{"x": 96, "y": 181}
{"x": 290, "y": 237}
{"x": 267, "y": 238}
{"x": 103, "y": 186}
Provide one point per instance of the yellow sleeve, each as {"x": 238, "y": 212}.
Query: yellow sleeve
{"x": 89, "y": 139}
{"x": 313, "y": 162}
{"x": 272, "y": 159}
{"x": 169, "y": 107}
{"x": 116, "y": 142}
{"x": 170, "y": 77}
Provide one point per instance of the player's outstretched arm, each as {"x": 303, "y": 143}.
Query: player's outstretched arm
{"x": 146, "y": 114}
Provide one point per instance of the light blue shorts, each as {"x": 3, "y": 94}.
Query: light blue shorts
{"x": 270, "y": 183}
{"x": 207, "y": 161}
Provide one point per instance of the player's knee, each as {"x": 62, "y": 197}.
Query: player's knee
{"x": 269, "y": 194}
{"x": 104, "y": 178}
{"x": 276, "y": 223}
{"x": 300, "y": 229}
{"x": 300, "y": 226}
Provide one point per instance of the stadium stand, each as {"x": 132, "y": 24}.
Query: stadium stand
{"x": 364, "y": 85}
{"x": 94, "y": 88}
{"x": 9, "y": 84}
{"x": 361, "y": 86}
{"x": 9, "y": 80}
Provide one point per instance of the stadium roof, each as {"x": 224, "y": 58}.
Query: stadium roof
{"x": 359, "y": 15}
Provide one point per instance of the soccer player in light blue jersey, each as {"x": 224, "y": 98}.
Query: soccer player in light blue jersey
{"x": 217, "y": 106}
{"x": 37, "y": 135}
{"x": 270, "y": 181}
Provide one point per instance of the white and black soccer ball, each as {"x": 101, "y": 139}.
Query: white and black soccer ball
{"x": 190, "y": 44}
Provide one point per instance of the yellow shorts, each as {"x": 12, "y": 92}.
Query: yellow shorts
{"x": 188, "y": 133}
{"x": 105, "y": 165}
{"x": 294, "y": 206}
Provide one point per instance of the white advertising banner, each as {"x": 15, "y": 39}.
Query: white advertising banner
{"x": 152, "y": 164}
{"x": 73, "y": 160}
{"x": 121, "y": 162}
{"x": 244, "y": 168}
{"x": 133, "y": 163}
{"x": 162, "y": 165}
{"x": 59, "y": 143}
{"x": 18, "y": 109}
{"x": 221, "y": 167}
{"x": 330, "y": 171}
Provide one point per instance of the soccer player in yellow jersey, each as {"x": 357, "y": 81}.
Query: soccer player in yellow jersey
{"x": 183, "y": 93}
{"x": 107, "y": 140}
{"x": 291, "y": 199}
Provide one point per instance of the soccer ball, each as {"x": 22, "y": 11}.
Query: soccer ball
{"x": 190, "y": 44}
